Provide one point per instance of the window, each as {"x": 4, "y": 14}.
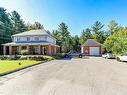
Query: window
{"x": 18, "y": 39}
{"x": 28, "y": 38}
{"x": 36, "y": 38}
{"x": 35, "y": 50}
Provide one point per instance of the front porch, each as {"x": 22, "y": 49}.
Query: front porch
{"x": 32, "y": 49}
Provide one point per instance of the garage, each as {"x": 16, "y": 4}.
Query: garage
{"x": 92, "y": 48}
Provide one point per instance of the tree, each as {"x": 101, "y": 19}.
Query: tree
{"x": 34, "y": 26}
{"x": 86, "y": 34}
{"x": 98, "y": 33}
{"x": 113, "y": 27}
{"x": 76, "y": 43}
{"x": 5, "y": 27}
{"x": 18, "y": 23}
{"x": 117, "y": 43}
{"x": 63, "y": 37}
{"x": 56, "y": 34}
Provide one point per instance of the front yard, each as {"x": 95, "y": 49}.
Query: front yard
{"x": 8, "y": 65}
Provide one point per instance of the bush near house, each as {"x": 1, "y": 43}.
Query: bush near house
{"x": 60, "y": 55}
{"x": 27, "y": 57}
{"x": 49, "y": 57}
{"x": 24, "y": 52}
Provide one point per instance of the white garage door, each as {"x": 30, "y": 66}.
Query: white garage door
{"x": 94, "y": 50}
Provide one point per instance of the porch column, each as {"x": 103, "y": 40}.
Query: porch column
{"x": 4, "y": 50}
{"x": 39, "y": 49}
{"x": 10, "y": 50}
{"x": 49, "y": 50}
{"x": 55, "y": 50}
{"x": 28, "y": 49}
{"x": 20, "y": 49}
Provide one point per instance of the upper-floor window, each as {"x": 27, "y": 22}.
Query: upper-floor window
{"x": 18, "y": 39}
{"x": 45, "y": 37}
{"x": 28, "y": 38}
{"x": 36, "y": 38}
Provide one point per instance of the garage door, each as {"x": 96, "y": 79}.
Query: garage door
{"x": 94, "y": 50}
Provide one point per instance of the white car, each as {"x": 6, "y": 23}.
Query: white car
{"x": 108, "y": 55}
{"x": 122, "y": 57}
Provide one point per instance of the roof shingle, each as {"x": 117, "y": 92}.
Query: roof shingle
{"x": 91, "y": 42}
{"x": 33, "y": 32}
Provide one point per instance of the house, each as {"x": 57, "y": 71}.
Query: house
{"x": 39, "y": 42}
{"x": 92, "y": 48}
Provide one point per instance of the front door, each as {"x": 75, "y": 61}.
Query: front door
{"x": 44, "y": 50}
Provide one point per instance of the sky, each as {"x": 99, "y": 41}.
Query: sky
{"x": 77, "y": 14}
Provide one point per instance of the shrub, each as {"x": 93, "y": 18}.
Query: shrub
{"x": 48, "y": 58}
{"x": 4, "y": 57}
{"x": 23, "y": 58}
{"x": 24, "y": 52}
{"x": 60, "y": 55}
{"x": 37, "y": 58}
{"x": 9, "y": 57}
{"x": 14, "y": 57}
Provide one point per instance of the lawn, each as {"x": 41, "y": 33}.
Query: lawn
{"x": 7, "y": 65}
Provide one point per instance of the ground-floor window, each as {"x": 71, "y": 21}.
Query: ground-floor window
{"x": 35, "y": 50}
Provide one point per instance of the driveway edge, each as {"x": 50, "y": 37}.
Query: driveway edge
{"x": 12, "y": 71}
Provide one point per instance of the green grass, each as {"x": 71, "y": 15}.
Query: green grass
{"x": 7, "y": 65}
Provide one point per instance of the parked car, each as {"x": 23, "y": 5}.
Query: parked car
{"x": 74, "y": 53}
{"x": 108, "y": 56}
{"x": 122, "y": 58}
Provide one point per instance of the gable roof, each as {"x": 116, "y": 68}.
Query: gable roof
{"x": 34, "y": 33}
{"x": 91, "y": 42}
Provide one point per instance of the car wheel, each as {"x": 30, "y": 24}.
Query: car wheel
{"x": 118, "y": 59}
{"x": 106, "y": 57}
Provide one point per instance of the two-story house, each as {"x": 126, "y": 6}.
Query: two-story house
{"x": 38, "y": 42}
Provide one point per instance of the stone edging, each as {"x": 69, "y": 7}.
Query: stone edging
{"x": 12, "y": 71}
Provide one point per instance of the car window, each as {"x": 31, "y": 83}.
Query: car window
{"x": 125, "y": 54}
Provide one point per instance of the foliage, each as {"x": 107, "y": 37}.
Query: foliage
{"x": 113, "y": 27}
{"x": 86, "y": 34}
{"x": 76, "y": 46}
{"x": 63, "y": 37}
{"x": 5, "y": 26}
{"x": 4, "y": 57}
{"x": 114, "y": 38}
{"x": 56, "y": 34}
{"x": 24, "y": 52}
{"x": 17, "y": 22}
{"x": 60, "y": 55}
{"x": 98, "y": 33}
{"x": 34, "y": 26}
{"x": 117, "y": 43}
{"x": 48, "y": 57}
{"x": 11, "y": 23}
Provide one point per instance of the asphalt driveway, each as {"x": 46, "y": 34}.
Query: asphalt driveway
{"x": 93, "y": 76}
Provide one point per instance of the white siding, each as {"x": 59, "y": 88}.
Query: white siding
{"x": 32, "y": 38}
{"x": 49, "y": 39}
{"x": 82, "y": 49}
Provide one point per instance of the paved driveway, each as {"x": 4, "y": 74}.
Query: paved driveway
{"x": 93, "y": 76}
